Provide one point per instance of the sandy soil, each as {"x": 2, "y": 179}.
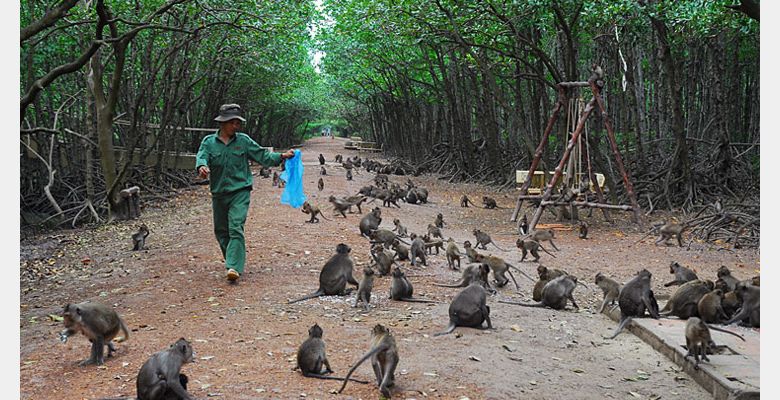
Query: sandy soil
{"x": 246, "y": 336}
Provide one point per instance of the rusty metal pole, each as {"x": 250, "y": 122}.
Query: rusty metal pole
{"x": 539, "y": 150}
{"x": 616, "y": 153}
{"x": 559, "y": 168}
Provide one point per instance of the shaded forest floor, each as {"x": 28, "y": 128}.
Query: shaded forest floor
{"x": 246, "y": 336}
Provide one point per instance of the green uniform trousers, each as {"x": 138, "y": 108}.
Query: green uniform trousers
{"x": 230, "y": 211}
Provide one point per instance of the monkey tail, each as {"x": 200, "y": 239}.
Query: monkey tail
{"x": 318, "y": 293}
{"x": 520, "y": 271}
{"x": 449, "y": 330}
{"x": 125, "y": 332}
{"x": 334, "y": 378}
{"x": 727, "y": 331}
{"x": 545, "y": 250}
{"x": 323, "y": 216}
{"x": 457, "y": 285}
{"x": 416, "y": 300}
{"x": 494, "y": 244}
{"x": 370, "y": 353}
{"x": 517, "y": 303}
{"x": 623, "y": 322}
{"x": 509, "y": 271}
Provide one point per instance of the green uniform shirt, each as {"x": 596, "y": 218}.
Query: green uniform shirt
{"x": 229, "y": 163}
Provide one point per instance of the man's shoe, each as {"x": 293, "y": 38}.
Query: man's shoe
{"x": 232, "y": 275}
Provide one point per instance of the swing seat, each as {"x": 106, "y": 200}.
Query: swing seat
{"x": 539, "y": 183}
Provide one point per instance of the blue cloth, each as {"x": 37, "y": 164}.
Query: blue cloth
{"x": 293, "y": 176}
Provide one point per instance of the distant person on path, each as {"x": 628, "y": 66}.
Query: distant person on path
{"x": 225, "y": 156}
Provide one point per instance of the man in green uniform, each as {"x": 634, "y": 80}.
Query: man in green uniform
{"x": 225, "y": 156}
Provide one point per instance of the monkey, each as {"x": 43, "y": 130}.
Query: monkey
{"x": 434, "y": 231}
{"x": 725, "y": 275}
{"x": 320, "y": 184}
{"x": 464, "y": 201}
{"x": 275, "y": 180}
{"x": 710, "y": 307}
{"x": 635, "y": 297}
{"x": 160, "y": 377}
{"x": 489, "y": 202}
{"x": 500, "y": 268}
{"x": 483, "y": 239}
{"x": 522, "y": 226}
{"x": 439, "y": 222}
{"x": 307, "y": 208}
{"x": 469, "y": 308}
{"x": 401, "y": 251}
{"x": 311, "y": 357}
{"x": 339, "y": 205}
{"x": 99, "y": 323}
{"x": 370, "y": 222}
{"x": 417, "y": 194}
{"x": 335, "y": 275}
{"x": 471, "y": 252}
{"x": 750, "y": 310}
{"x": 383, "y": 259}
{"x": 730, "y": 301}
{"x": 400, "y": 229}
{"x": 365, "y": 287}
{"x": 322, "y": 159}
{"x": 756, "y": 280}
{"x": 383, "y": 236}
{"x": 470, "y": 274}
{"x": 669, "y": 230}
{"x": 401, "y": 289}
{"x": 698, "y": 339}
{"x": 384, "y": 359}
{"x": 531, "y": 246}
{"x": 583, "y": 230}
{"x": 554, "y": 294}
{"x": 453, "y": 254}
{"x": 540, "y": 236}
{"x": 349, "y": 174}
{"x": 681, "y": 274}
{"x": 684, "y": 302}
{"x": 411, "y": 196}
{"x": 611, "y": 290}
{"x": 545, "y": 275}
{"x": 431, "y": 244}
{"x": 381, "y": 180}
{"x": 339, "y": 158}
{"x": 139, "y": 238}
{"x": 417, "y": 249}
{"x": 356, "y": 201}
{"x": 323, "y": 171}
{"x": 597, "y": 75}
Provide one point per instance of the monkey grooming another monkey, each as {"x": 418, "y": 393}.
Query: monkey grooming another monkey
{"x": 725, "y": 275}
{"x": 320, "y": 184}
{"x": 401, "y": 289}
{"x": 684, "y": 302}
{"x": 483, "y": 239}
{"x": 453, "y": 254}
{"x": 384, "y": 360}
{"x": 400, "y": 229}
{"x": 160, "y": 377}
{"x": 370, "y": 222}
{"x": 139, "y": 238}
{"x": 489, "y": 202}
{"x": 698, "y": 339}
{"x": 99, "y": 323}
{"x": 307, "y": 208}
{"x": 611, "y": 290}
{"x": 635, "y": 297}
{"x": 711, "y": 308}
{"x": 531, "y": 246}
{"x": 469, "y": 308}
{"x": 335, "y": 275}
{"x": 554, "y": 294}
{"x": 439, "y": 221}
{"x": 583, "y": 230}
{"x": 311, "y": 357}
{"x": 681, "y": 274}
{"x": 464, "y": 201}
{"x": 365, "y": 287}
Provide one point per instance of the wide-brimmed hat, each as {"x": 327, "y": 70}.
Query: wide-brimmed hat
{"x": 228, "y": 112}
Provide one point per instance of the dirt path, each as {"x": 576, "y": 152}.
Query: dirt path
{"x": 246, "y": 336}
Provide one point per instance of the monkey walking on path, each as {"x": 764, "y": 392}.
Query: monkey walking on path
{"x": 384, "y": 360}
{"x": 98, "y": 323}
